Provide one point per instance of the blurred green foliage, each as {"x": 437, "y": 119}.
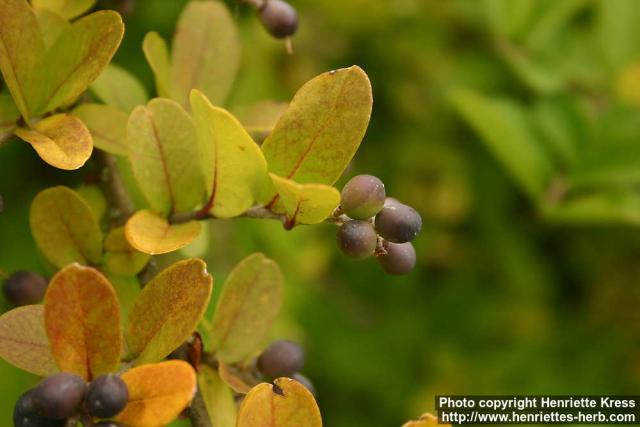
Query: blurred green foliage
{"x": 512, "y": 126}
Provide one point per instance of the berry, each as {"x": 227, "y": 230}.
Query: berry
{"x": 108, "y": 424}
{"x": 357, "y": 239}
{"x": 279, "y": 18}
{"x": 399, "y": 259}
{"x": 25, "y": 287}
{"x": 398, "y": 223}
{"x": 305, "y": 382}
{"x": 107, "y": 396}
{"x": 363, "y": 197}
{"x": 281, "y": 359}
{"x": 59, "y": 395}
{"x": 24, "y": 414}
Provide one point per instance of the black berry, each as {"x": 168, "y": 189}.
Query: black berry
{"x": 305, "y": 382}
{"x": 399, "y": 259}
{"x": 25, "y": 287}
{"x": 281, "y": 359}
{"x": 363, "y": 197}
{"x": 279, "y": 18}
{"x": 24, "y": 414}
{"x": 59, "y": 395}
{"x": 108, "y": 424}
{"x": 357, "y": 239}
{"x": 398, "y": 223}
{"x": 107, "y": 396}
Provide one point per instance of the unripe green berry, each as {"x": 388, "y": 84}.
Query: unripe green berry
{"x": 59, "y": 395}
{"x": 362, "y": 197}
{"x": 25, "y": 287}
{"x": 357, "y": 239}
{"x": 399, "y": 259}
{"x": 107, "y": 396}
{"x": 398, "y": 223}
{"x": 279, "y": 18}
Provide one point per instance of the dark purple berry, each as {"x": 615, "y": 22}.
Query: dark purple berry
{"x": 362, "y": 197}
{"x": 107, "y": 396}
{"x": 305, "y": 382}
{"x": 399, "y": 259}
{"x": 24, "y": 414}
{"x": 59, "y": 395}
{"x": 398, "y": 223}
{"x": 281, "y": 359}
{"x": 108, "y": 424}
{"x": 357, "y": 239}
{"x": 25, "y": 287}
{"x": 279, "y": 18}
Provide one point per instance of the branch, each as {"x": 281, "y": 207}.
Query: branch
{"x": 115, "y": 190}
{"x": 198, "y": 412}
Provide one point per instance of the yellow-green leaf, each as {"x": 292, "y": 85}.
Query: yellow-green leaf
{"x": 119, "y": 88}
{"x": 93, "y": 195}
{"x": 107, "y": 125}
{"x": 260, "y": 118}
{"x": 51, "y": 26}
{"x": 21, "y": 53}
{"x": 285, "y": 403}
{"x": 9, "y": 115}
{"x": 158, "y": 393}
{"x": 206, "y": 52}
{"x": 426, "y": 420}
{"x": 65, "y": 8}
{"x": 82, "y": 319}
{"x": 62, "y": 141}
{"x": 234, "y": 378}
{"x": 316, "y": 138}
{"x": 305, "y": 203}
{"x": 78, "y": 57}
{"x": 152, "y": 234}
{"x": 23, "y": 340}
{"x": 121, "y": 258}
{"x": 249, "y": 302}
{"x": 168, "y": 310}
{"x": 127, "y": 288}
{"x": 163, "y": 149}
{"x": 218, "y": 398}
{"x": 233, "y": 164}
{"x": 157, "y": 54}
{"x": 65, "y": 228}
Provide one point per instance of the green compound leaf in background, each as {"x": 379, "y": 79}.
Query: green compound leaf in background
{"x": 305, "y": 203}
{"x": 65, "y": 228}
{"x": 119, "y": 88}
{"x": 218, "y": 398}
{"x": 66, "y": 8}
{"x": 120, "y": 257}
{"x": 82, "y": 319}
{"x": 163, "y": 149}
{"x": 24, "y": 342}
{"x": 249, "y": 302}
{"x": 107, "y": 126}
{"x": 316, "y": 138}
{"x": 604, "y": 208}
{"x": 168, "y": 310}
{"x": 51, "y": 26}
{"x": 157, "y": 54}
{"x": 233, "y": 164}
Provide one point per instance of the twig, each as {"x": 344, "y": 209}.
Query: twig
{"x": 115, "y": 190}
{"x": 198, "y": 412}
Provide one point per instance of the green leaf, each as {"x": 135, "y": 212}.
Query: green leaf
{"x": 9, "y": 115}
{"x": 157, "y": 54}
{"x": 107, "y": 125}
{"x": 218, "y": 398}
{"x": 205, "y": 53}
{"x": 127, "y": 288}
{"x": 82, "y": 319}
{"x": 152, "y": 234}
{"x": 533, "y": 72}
{"x": 119, "y": 88}
{"x": 318, "y": 135}
{"x": 260, "y": 118}
{"x": 65, "y": 228}
{"x": 233, "y": 164}
{"x": 508, "y": 18}
{"x": 51, "y": 26}
{"x": 23, "y": 340}
{"x": 305, "y": 203}
{"x": 603, "y": 208}
{"x": 65, "y": 8}
{"x": 121, "y": 258}
{"x": 248, "y": 305}
{"x": 502, "y": 125}
{"x": 617, "y": 32}
{"x": 553, "y": 18}
{"x": 21, "y": 53}
{"x": 93, "y": 195}
{"x": 163, "y": 147}
{"x": 168, "y": 310}
{"x": 78, "y": 57}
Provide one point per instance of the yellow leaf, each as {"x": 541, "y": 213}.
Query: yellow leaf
{"x": 107, "y": 125}
{"x": 120, "y": 257}
{"x": 157, "y": 54}
{"x": 158, "y": 393}
{"x": 65, "y": 228}
{"x": 286, "y": 403}
{"x": 62, "y": 141}
{"x": 305, "y": 203}
{"x": 51, "y": 26}
{"x": 426, "y": 420}
{"x": 66, "y": 8}
{"x": 152, "y": 234}
{"x": 168, "y": 310}
{"x": 82, "y": 319}
{"x": 218, "y": 398}
{"x": 233, "y": 164}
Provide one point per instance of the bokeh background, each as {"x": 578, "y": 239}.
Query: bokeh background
{"x": 506, "y": 298}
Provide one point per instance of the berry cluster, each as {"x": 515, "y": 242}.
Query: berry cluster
{"x": 284, "y": 359}
{"x": 24, "y": 287}
{"x": 279, "y": 18}
{"x": 378, "y": 225}
{"x": 65, "y": 395}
